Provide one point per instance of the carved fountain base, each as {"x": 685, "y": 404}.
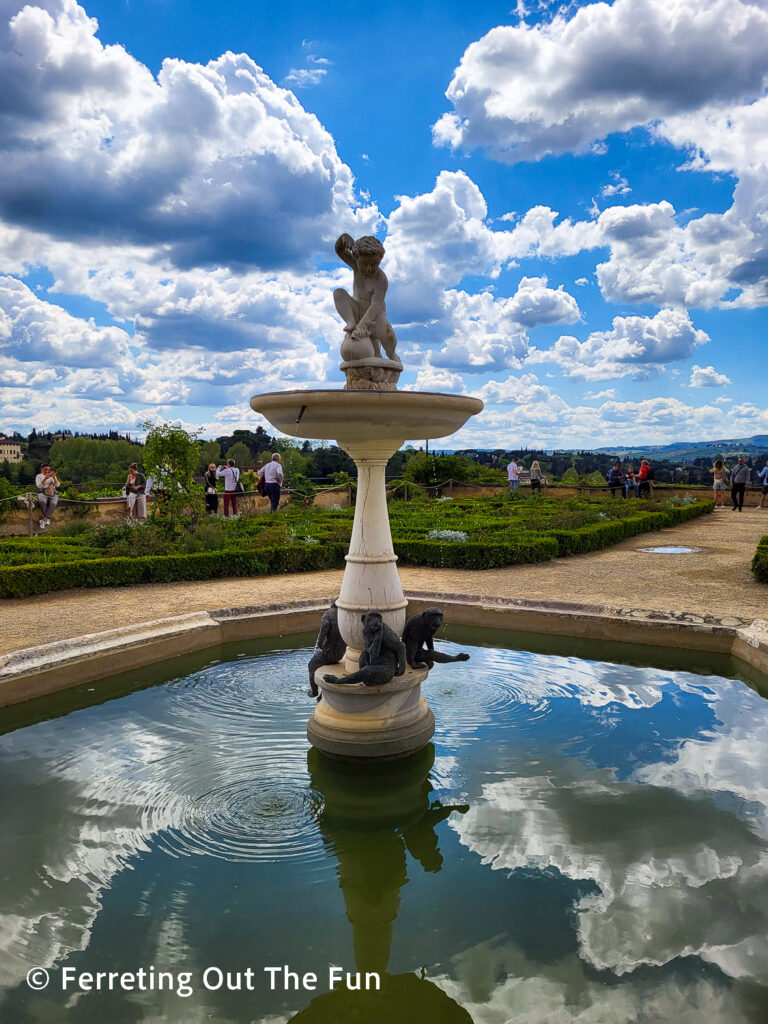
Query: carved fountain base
{"x": 356, "y": 722}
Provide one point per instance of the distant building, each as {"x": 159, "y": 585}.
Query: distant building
{"x": 10, "y": 450}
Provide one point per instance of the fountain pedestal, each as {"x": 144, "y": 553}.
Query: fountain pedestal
{"x": 355, "y": 721}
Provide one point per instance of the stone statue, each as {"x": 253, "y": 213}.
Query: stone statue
{"x": 329, "y": 647}
{"x": 419, "y": 647}
{"x": 366, "y": 328}
{"x": 364, "y": 312}
{"x": 383, "y": 655}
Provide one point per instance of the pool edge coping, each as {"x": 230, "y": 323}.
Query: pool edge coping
{"x": 37, "y": 671}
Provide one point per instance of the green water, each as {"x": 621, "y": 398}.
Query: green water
{"x": 584, "y": 841}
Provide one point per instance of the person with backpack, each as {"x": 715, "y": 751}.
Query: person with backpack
{"x": 232, "y": 485}
{"x": 645, "y": 479}
{"x": 272, "y": 474}
{"x": 616, "y": 479}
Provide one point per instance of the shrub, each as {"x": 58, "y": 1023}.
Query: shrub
{"x": 760, "y": 561}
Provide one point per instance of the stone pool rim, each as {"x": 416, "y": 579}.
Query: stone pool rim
{"x": 38, "y": 671}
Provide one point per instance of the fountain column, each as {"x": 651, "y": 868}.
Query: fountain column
{"x": 371, "y": 580}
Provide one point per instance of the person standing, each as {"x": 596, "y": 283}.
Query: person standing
{"x": 211, "y": 495}
{"x": 719, "y": 483}
{"x": 762, "y": 476}
{"x": 47, "y": 484}
{"x": 273, "y": 478}
{"x": 513, "y": 471}
{"x": 616, "y": 479}
{"x": 645, "y": 478}
{"x": 537, "y": 477}
{"x": 739, "y": 479}
{"x": 135, "y": 497}
{"x": 231, "y": 475}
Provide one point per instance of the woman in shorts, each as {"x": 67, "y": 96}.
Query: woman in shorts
{"x": 719, "y": 483}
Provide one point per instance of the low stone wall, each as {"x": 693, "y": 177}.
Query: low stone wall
{"x": 35, "y": 671}
{"x": 104, "y": 511}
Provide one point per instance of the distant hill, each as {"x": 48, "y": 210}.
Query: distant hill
{"x": 682, "y": 451}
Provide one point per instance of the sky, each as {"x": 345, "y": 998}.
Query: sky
{"x": 573, "y": 201}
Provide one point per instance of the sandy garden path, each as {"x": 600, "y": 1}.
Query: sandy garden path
{"x": 715, "y": 580}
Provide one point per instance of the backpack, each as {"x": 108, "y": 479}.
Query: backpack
{"x": 650, "y": 475}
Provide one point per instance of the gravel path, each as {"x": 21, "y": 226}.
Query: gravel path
{"x": 715, "y": 580}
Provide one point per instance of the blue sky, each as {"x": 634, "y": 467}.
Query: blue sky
{"x": 573, "y": 201}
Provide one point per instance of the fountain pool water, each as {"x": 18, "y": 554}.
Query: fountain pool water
{"x": 585, "y": 840}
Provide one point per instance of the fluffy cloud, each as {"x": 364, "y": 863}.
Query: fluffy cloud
{"x": 215, "y": 163}
{"x": 522, "y": 92}
{"x": 31, "y": 329}
{"x": 634, "y": 345}
{"x": 707, "y": 377}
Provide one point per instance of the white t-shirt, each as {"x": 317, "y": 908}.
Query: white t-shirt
{"x": 512, "y": 470}
{"x": 272, "y": 473}
{"x": 39, "y": 481}
{"x": 231, "y": 475}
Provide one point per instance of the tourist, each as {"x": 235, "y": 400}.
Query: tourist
{"x": 739, "y": 480}
{"x": 762, "y": 476}
{"x": 513, "y": 471}
{"x": 631, "y": 481}
{"x": 645, "y": 479}
{"x": 273, "y": 478}
{"x": 47, "y": 484}
{"x": 211, "y": 497}
{"x": 616, "y": 479}
{"x": 719, "y": 483}
{"x": 231, "y": 475}
{"x": 537, "y": 477}
{"x": 135, "y": 497}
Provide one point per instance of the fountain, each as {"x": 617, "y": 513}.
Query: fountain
{"x": 369, "y": 419}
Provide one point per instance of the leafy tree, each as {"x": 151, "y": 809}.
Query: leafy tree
{"x": 210, "y": 451}
{"x": 171, "y": 455}
{"x": 96, "y": 462}
{"x": 241, "y": 454}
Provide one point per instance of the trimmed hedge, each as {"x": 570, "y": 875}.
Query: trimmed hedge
{"x": 760, "y": 561}
{"x": 473, "y": 555}
{"x": 22, "y": 581}
{"x": 77, "y": 569}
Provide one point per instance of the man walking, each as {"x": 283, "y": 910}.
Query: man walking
{"x": 273, "y": 478}
{"x": 512, "y": 475}
{"x": 739, "y": 480}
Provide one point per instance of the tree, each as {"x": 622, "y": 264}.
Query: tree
{"x": 241, "y": 454}
{"x": 210, "y": 451}
{"x": 170, "y": 457}
{"x": 85, "y": 460}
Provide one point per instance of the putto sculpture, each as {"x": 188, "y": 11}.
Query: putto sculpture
{"x": 419, "y": 644}
{"x": 382, "y": 657}
{"x": 366, "y": 327}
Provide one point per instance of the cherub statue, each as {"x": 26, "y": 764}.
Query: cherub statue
{"x": 364, "y": 312}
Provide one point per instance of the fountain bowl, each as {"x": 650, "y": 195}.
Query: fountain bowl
{"x": 331, "y": 415}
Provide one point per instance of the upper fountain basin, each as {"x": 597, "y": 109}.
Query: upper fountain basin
{"x": 366, "y": 415}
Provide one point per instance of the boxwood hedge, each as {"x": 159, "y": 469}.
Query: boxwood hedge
{"x": 760, "y": 561}
{"x": 59, "y": 563}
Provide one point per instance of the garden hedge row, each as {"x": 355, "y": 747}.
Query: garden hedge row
{"x": 41, "y": 578}
{"x": 22, "y": 581}
{"x": 760, "y": 561}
